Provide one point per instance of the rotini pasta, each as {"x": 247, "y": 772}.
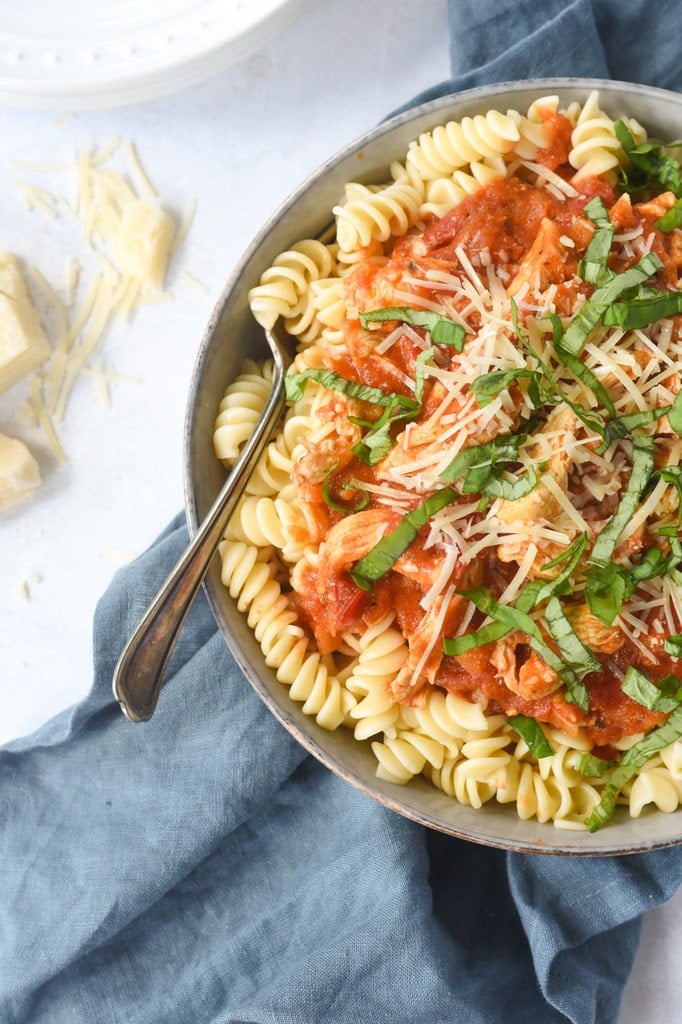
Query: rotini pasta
{"x": 463, "y": 543}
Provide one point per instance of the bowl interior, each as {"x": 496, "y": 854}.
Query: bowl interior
{"x": 232, "y": 335}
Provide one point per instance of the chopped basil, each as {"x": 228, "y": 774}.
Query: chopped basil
{"x": 671, "y": 686}
{"x": 333, "y": 381}
{"x": 531, "y": 596}
{"x": 642, "y": 468}
{"x": 592, "y": 766}
{"x": 640, "y": 312}
{"x": 377, "y": 442}
{"x": 673, "y": 645}
{"x": 571, "y": 647}
{"x": 515, "y": 618}
{"x": 383, "y": 556}
{"x": 337, "y": 506}
{"x": 490, "y": 385}
{"x": 511, "y": 490}
{"x": 587, "y": 377}
{"x": 551, "y": 392}
{"x": 531, "y": 731}
{"x": 608, "y": 586}
{"x": 593, "y": 266}
{"x": 630, "y": 764}
{"x": 488, "y": 634}
{"x": 671, "y": 219}
{"x": 591, "y": 312}
{"x": 442, "y": 330}
{"x": 672, "y": 475}
{"x": 481, "y": 467}
{"x": 622, "y": 426}
{"x": 540, "y": 590}
{"x": 675, "y": 414}
{"x": 640, "y": 688}
{"x": 652, "y": 168}
{"x": 605, "y": 592}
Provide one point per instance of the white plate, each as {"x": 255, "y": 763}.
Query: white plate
{"x": 85, "y": 54}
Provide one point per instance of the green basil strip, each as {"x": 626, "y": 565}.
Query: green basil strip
{"x": 652, "y": 167}
{"x": 590, "y": 314}
{"x": 512, "y": 617}
{"x": 337, "y": 506}
{"x": 630, "y": 764}
{"x": 580, "y": 371}
{"x": 531, "y": 596}
{"x": 671, "y": 686}
{"x": 517, "y": 619}
{"x": 673, "y": 475}
{"x": 295, "y": 387}
{"x": 593, "y": 266}
{"x": 571, "y": 647}
{"x": 540, "y": 590}
{"x": 531, "y": 731}
{"x": 593, "y": 767}
{"x": 478, "y": 462}
{"x": 605, "y": 592}
{"x": 573, "y": 652}
{"x": 488, "y": 634}
{"x": 675, "y": 414}
{"x": 639, "y": 313}
{"x": 608, "y": 586}
{"x": 640, "y": 688}
{"x": 378, "y": 441}
{"x": 671, "y": 219}
{"x": 442, "y": 330}
{"x": 383, "y": 556}
{"x": 642, "y": 468}
{"x": 489, "y": 385}
{"x": 497, "y": 487}
{"x": 673, "y": 645}
{"x": 623, "y": 426}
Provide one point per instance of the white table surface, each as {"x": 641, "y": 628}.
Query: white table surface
{"x": 238, "y": 143}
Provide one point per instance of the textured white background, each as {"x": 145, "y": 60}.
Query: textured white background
{"x": 239, "y": 143}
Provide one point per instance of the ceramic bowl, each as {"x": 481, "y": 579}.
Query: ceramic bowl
{"x": 232, "y": 334}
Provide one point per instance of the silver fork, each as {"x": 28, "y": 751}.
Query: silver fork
{"x": 139, "y": 673}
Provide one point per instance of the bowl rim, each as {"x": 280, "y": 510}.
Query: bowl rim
{"x": 304, "y": 732}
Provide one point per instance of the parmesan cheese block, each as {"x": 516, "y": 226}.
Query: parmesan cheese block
{"x": 23, "y": 343}
{"x": 19, "y": 473}
{"x": 144, "y": 241}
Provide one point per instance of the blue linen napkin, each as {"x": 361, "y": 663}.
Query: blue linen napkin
{"x": 179, "y": 873}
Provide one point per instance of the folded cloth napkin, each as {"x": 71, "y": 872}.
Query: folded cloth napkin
{"x": 203, "y": 869}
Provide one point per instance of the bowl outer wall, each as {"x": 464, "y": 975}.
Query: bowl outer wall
{"x": 232, "y": 335}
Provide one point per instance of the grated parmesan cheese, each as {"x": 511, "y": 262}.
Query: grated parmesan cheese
{"x": 128, "y": 237}
{"x": 19, "y": 472}
{"x": 23, "y": 343}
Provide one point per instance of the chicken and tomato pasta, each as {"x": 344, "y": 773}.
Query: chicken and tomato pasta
{"x": 464, "y": 541}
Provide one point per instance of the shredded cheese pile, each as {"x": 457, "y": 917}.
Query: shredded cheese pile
{"x": 128, "y": 238}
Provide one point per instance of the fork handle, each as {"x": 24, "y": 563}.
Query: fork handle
{"x": 139, "y": 673}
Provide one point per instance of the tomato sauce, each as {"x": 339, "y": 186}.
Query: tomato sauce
{"x": 612, "y": 713}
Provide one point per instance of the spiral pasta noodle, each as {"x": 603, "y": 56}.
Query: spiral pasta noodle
{"x": 240, "y": 409}
{"x": 595, "y": 148}
{"x": 283, "y": 287}
{"x": 457, "y": 144}
{"x": 377, "y": 216}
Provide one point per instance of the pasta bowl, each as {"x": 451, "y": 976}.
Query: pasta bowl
{"x": 233, "y": 335}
